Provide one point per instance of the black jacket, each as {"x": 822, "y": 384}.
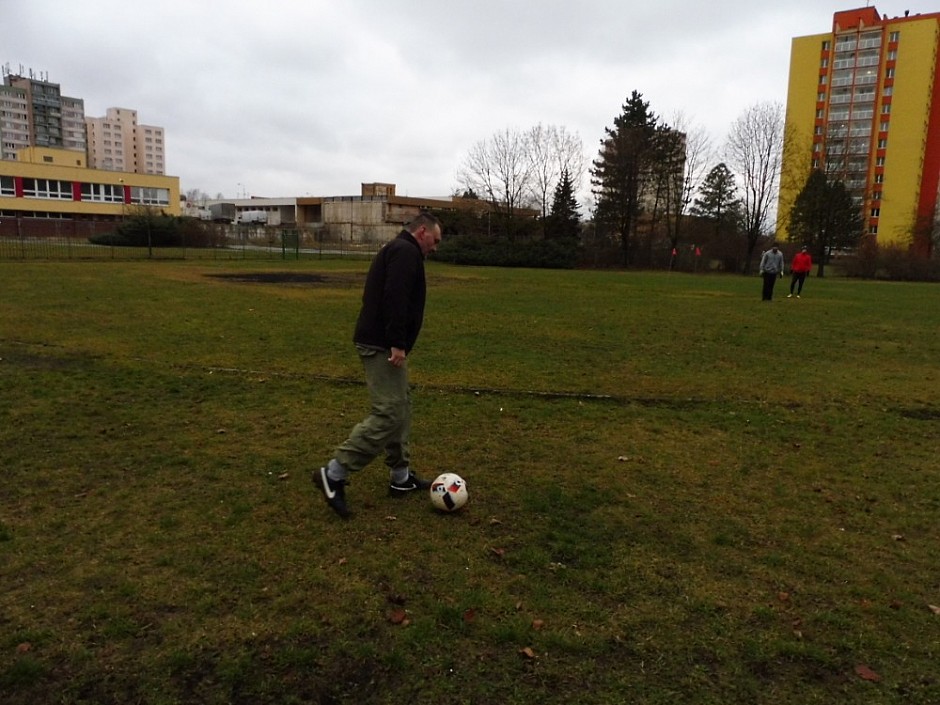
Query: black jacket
{"x": 393, "y": 298}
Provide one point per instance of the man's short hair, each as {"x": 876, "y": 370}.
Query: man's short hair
{"x": 424, "y": 218}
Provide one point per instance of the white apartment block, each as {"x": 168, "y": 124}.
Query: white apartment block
{"x": 117, "y": 142}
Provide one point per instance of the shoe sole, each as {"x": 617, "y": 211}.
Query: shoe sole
{"x": 401, "y": 491}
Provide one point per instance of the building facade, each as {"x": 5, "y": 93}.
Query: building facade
{"x": 863, "y": 105}
{"x": 116, "y": 142}
{"x": 34, "y": 113}
{"x": 57, "y": 183}
{"x": 375, "y": 216}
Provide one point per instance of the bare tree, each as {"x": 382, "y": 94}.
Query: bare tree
{"x": 196, "y": 197}
{"x": 553, "y": 151}
{"x": 754, "y": 151}
{"x": 513, "y": 170}
{"x": 699, "y": 153}
{"x": 499, "y": 169}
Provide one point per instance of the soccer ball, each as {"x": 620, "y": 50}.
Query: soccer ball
{"x": 449, "y": 492}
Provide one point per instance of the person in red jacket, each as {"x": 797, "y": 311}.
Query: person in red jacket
{"x": 799, "y": 268}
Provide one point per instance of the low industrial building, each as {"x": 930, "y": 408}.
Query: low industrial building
{"x": 377, "y": 214}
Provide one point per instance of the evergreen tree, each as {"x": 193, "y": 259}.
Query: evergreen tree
{"x": 564, "y": 219}
{"x": 718, "y": 201}
{"x": 825, "y": 217}
{"x": 621, "y": 172}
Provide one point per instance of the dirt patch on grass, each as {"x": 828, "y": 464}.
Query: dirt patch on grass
{"x": 292, "y": 278}
{"x": 921, "y": 414}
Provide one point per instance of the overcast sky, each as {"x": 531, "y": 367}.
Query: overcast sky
{"x": 314, "y": 97}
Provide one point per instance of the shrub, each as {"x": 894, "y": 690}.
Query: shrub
{"x": 560, "y": 253}
{"x": 893, "y": 262}
{"x": 152, "y": 230}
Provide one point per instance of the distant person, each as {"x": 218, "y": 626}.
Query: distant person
{"x": 771, "y": 267}
{"x": 388, "y": 325}
{"x": 800, "y": 268}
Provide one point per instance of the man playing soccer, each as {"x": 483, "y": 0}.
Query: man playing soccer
{"x": 388, "y": 325}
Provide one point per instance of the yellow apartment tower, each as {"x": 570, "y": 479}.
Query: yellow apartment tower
{"x": 863, "y": 105}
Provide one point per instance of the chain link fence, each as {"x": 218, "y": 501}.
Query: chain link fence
{"x": 23, "y": 238}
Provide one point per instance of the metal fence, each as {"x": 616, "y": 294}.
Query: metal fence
{"x": 63, "y": 239}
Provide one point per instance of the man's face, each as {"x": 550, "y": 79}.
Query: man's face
{"x": 428, "y": 239}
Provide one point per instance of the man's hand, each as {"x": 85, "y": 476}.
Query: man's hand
{"x": 397, "y": 358}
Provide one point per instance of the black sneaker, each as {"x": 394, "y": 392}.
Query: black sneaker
{"x": 412, "y": 483}
{"x": 334, "y": 491}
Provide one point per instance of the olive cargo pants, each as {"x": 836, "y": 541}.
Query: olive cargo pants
{"x": 388, "y": 424}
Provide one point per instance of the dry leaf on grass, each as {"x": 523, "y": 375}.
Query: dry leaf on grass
{"x": 398, "y": 617}
{"x": 934, "y": 609}
{"x": 865, "y": 673}
{"x": 527, "y": 652}
{"x": 470, "y": 616}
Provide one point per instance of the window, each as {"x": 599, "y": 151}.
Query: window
{"x": 825, "y": 62}
{"x": 823, "y": 80}
{"x": 827, "y": 44}
{"x": 842, "y": 78}
{"x": 879, "y": 178}
{"x": 873, "y": 230}
{"x": 884, "y": 126}
{"x": 892, "y": 55}
{"x": 7, "y": 187}
{"x": 882, "y": 144}
{"x": 150, "y": 196}
{"x": 821, "y": 97}
{"x": 894, "y": 36}
{"x": 875, "y": 212}
{"x": 819, "y": 114}
{"x": 47, "y": 188}
{"x": 103, "y": 193}
{"x": 880, "y": 161}
{"x": 876, "y": 195}
{"x": 889, "y": 73}
{"x": 870, "y": 40}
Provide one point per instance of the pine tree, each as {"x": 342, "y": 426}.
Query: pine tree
{"x": 824, "y": 217}
{"x": 564, "y": 219}
{"x": 621, "y": 172}
{"x": 718, "y": 201}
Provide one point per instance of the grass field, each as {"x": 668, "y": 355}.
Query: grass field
{"x": 679, "y": 494}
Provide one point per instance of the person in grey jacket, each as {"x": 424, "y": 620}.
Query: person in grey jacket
{"x": 771, "y": 268}
{"x": 386, "y": 331}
